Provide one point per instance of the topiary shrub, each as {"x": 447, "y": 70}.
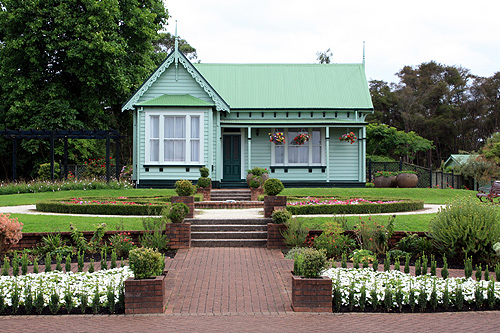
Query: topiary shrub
{"x": 464, "y": 228}
{"x": 281, "y": 216}
{"x": 255, "y": 182}
{"x": 313, "y": 262}
{"x": 184, "y": 187}
{"x": 273, "y": 186}
{"x": 44, "y": 171}
{"x": 146, "y": 262}
{"x": 204, "y": 182}
{"x": 178, "y": 212}
{"x": 204, "y": 172}
{"x": 257, "y": 171}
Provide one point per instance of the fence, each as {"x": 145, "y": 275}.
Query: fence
{"x": 79, "y": 171}
{"x": 426, "y": 177}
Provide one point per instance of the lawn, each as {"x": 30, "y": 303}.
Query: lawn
{"x": 45, "y": 223}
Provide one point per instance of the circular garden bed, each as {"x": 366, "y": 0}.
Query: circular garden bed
{"x": 108, "y": 206}
{"x": 322, "y": 205}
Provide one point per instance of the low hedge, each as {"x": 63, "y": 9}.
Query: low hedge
{"x": 365, "y": 208}
{"x": 100, "y": 209}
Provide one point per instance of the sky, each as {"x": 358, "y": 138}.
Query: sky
{"x": 396, "y": 33}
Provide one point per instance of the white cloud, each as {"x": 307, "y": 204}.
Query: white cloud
{"x": 397, "y": 33}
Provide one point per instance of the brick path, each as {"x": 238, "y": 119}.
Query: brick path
{"x": 245, "y": 290}
{"x": 244, "y": 280}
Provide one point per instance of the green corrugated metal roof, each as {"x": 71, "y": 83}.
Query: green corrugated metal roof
{"x": 288, "y": 121}
{"x": 175, "y": 100}
{"x": 289, "y": 86}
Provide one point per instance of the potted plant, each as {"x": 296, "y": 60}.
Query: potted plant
{"x": 407, "y": 179}
{"x": 310, "y": 291}
{"x": 145, "y": 292}
{"x": 185, "y": 190}
{"x": 272, "y": 202}
{"x": 204, "y": 184}
{"x": 348, "y": 137}
{"x": 301, "y": 138}
{"x": 257, "y": 172}
{"x": 385, "y": 179}
{"x": 277, "y": 138}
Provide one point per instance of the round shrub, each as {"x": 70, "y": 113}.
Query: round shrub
{"x": 464, "y": 228}
{"x": 184, "y": 187}
{"x": 273, "y": 186}
{"x": 204, "y": 172}
{"x": 146, "y": 262}
{"x": 178, "y": 212}
{"x": 204, "y": 182}
{"x": 314, "y": 261}
{"x": 255, "y": 182}
{"x": 280, "y": 216}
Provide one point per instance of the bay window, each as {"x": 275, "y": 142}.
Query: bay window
{"x": 174, "y": 138}
{"x": 292, "y": 153}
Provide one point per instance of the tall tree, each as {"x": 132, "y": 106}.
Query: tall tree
{"x": 72, "y": 63}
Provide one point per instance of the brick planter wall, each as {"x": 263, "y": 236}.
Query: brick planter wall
{"x": 145, "y": 295}
{"x": 205, "y": 192}
{"x": 272, "y": 203}
{"x": 179, "y": 235}
{"x": 311, "y": 295}
{"x": 274, "y": 238}
{"x": 255, "y": 192}
{"x": 188, "y": 200}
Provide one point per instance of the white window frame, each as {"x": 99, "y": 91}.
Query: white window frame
{"x": 187, "y": 130}
{"x": 309, "y": 143}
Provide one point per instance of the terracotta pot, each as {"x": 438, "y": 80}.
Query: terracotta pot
{"x": 407, "y": 180}
{"x": 382, "y": 181}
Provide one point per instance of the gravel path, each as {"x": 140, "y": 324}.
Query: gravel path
{"x": 210, "y": 213}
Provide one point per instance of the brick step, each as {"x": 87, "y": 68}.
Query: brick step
{"x": 232, "y": 227}
{"x": 229, "y": 242}
{"x": 232, "y": 197}
{"x": 237, "y": 195}
{"x": 228, "y": 235}
{"x": 232, "y": 221}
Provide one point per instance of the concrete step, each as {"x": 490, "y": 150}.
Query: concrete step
{"x": 228, "y": 235}
{"x": 229, "y": 242}
{"x": 231, "y": 227}
{"x": 233, "y": 221}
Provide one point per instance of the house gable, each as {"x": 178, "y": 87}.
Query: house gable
{"x": 176, "y": 76}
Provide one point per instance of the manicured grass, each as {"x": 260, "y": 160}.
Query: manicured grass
{"x": 414, "y": 222}
{"x": 33, "y": 198}
{"x": 428, "y": 195}
{"x": 58, "y": 223}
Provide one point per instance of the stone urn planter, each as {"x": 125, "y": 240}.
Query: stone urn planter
{"x": 407, "y": 180}
{"x": 264, "y": 176}
{"x": 382, "y": 181}
{"x": 188, "y": 200}
{"x": 311, "y": 294}
{"x": 145, "y": 295}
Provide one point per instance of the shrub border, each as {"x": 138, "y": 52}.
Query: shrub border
{"x": 364, "y": 208}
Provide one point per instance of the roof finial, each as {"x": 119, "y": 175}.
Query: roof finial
{"x": 363, "y": 53}
{"x": 176, "y": 38}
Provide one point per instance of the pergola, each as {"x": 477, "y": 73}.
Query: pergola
{"x": 54, "y": 135}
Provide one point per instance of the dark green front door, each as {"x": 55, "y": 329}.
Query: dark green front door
{"x": 231, "y": 146}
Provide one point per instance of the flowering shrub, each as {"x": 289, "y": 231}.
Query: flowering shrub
{"x": 122, "y": 243}
{"x": 127, "y": 171}
{"x": 64, "y": 185}
{"x": 10, "y": 232}
{"x": 348, "y": 137}
{"x": 301, "y": 138}
{"x": 97, "y": 167}
{"x": 333, "y": 201}
{"x": 72, "y": 288}
{"x": 421, "y": 291}
{"x": 277, "y": 138}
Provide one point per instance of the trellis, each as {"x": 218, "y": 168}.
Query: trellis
{"x": 54, "y": 135}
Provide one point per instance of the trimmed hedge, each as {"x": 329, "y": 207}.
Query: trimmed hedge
{"x": 365, "y": 208}
{"x": 143, "y": 206}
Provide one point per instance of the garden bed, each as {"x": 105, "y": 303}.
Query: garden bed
{"x": 109, "y": 206}
{"x": 313, "y": 205}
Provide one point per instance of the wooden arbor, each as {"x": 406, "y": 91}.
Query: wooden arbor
{"x": 52, "y": 135}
